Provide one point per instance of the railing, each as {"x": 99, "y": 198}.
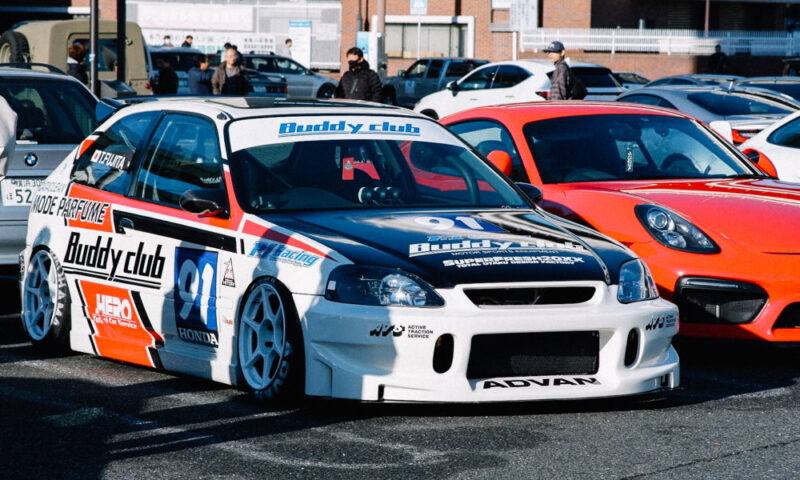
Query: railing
{"x": 664, "y": 41}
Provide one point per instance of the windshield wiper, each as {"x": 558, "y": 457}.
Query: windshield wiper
{"x": 748, "y": 175}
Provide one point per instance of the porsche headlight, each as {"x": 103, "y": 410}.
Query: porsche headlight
{"x": 635, "y": 283}
{"x": 379, "y": 286}
{"x": 673, "y": 231}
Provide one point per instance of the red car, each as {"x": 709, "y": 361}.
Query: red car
{"x": 721, "y": 236}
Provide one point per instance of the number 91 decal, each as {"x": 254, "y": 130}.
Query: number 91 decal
{"x": 196, "y": 295}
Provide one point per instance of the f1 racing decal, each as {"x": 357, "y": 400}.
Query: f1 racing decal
{"x": 282, "y": 253}
{"x": 293, "y": 129}
{"x": 142, "y": 267}
{"x": 540, "y": 382}
{"x": 119, "y": 325}
{"x": 196, "y": 296}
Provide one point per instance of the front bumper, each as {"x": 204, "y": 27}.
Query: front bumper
{"x": 387, "y": 354}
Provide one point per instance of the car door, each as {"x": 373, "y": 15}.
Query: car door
{"x": 300, "y": 83}
{"x": 183, "y": 154}
{"x": 409, "y": 92}
{"x": 430, "y": 82}
{"x": 474, "y": 90}
{"x": 507, "y": 85}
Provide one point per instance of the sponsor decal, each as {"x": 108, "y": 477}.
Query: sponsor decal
{"x": 293, "y": 129}
{"x": 227, "y": 278}
{"x": 515, "y": 260}
{"x": 486, "y": 245}
{"x": 450, "y": 222}
{"x": 283, "y": 254}
{"x": 661, "y": 321}
{"x": 195, "y": 296}
{"x": 410, "y": 331}
{"x": 112, "y": 160}
{"x": 102, "y": 255}
{"x": 113, "y": 310}
{"x": 80, "y": 209}
{"x": 540, "y": 382}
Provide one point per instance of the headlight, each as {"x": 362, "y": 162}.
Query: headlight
{"x": 379, "y": 286}
{"x": 635, "y": 283}
{"x": 673, "y": 231}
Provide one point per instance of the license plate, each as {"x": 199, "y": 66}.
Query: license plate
{"x": 259, "y": 89}
{"x": 19, "y": 191}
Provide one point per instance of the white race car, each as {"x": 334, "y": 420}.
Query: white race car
{"x": 334, "y": 249}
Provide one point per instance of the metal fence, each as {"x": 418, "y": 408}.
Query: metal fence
{"x": 692, "y": 42}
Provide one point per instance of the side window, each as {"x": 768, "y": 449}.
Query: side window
{"x": 479, "y": 79}
{"x": 289, "y": 67}
{"x": 106, "y": 164}
{"x": 648, "y": 100}
{"x": 787, "y": 135}
{"x": 261, "y": 64}
{"x": 486, "y": 136}
{"x": 459, "y": 68}
{"x": 508, "y": 76}
{"x": 417, "y": 70}
{"x": 434, "y": 69}
{"x": 183, "y": 154}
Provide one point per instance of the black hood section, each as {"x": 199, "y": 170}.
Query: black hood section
{"x": 448, "y": 248}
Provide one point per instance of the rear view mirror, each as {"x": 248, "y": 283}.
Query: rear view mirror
{"x": 501, "y": 160}
{"x": 204, "y": 202}
{"x": 532, "y": 191}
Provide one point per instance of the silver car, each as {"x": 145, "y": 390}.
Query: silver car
{"x": 55, "y": 112}
{"x": 301, "y": 81}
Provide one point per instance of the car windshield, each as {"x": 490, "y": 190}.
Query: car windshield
{"x": 629, "y": 147}
{"x": 731, "y": 103}
{"x": 50, "y": 111}
{"x": 789, "y": 88}
{"x": 596, "y": 77}
{"x": 359, "y": 162}
{"x": 179, "y": 61}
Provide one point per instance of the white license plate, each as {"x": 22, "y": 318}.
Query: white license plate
{"x": 259, "y": 89}
{"x": 19, "y": 191}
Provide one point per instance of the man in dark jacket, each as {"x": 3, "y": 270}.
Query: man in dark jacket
{"x": 167, "y": 80}
{"x": 229, "y": 77}
{"x": 563, "y": 79}
{"x": 200, "y": 76}
{"x": 359, "y": 82}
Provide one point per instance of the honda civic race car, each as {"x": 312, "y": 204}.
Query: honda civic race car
{"x": 719, "y": 234}
{"x": 334, "y": 249}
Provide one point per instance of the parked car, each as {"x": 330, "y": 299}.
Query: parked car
{"x": 181, "y": 59}
{"x": 719, "y": 235}
{"x": 778, "y": 146}
{"x": 516, "y": 81}
{"x": 736, "y": 114}
{"x": 630, "y": 80}
{"x": 426, "y": 76}
{"x": 55, "y": 112}
{"x": 47, "y": 41}
{"x": 697, "y": 79}
{"x": 336, "y": 250}
{"x": 786, "y": 85}
{"x": 301, "y": 81}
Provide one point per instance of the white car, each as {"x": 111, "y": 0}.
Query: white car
{"x": 780, "y": 143}
{"x": 337, "y": 250}
{"x": 517, "y": 81}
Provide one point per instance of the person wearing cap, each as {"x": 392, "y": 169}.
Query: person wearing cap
{"x": 563, "y": 79}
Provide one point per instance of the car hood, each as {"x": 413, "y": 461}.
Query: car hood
{"x": 760, "y": 214}
{"x": 448, "y": 248}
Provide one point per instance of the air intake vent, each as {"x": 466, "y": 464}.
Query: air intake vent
{"x": 484, "y": 297}
{"x": 711, "y": 300}
{"x": 789, "y": 318}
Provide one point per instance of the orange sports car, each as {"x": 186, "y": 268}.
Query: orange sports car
{"x": 721, "y": 235}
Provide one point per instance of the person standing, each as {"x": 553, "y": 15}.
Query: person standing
{"x": 563, "y": 80}
{"x": 167, "y": 41}
{"x": 200, "y": 76}
{"x": 229, "y": 77}
{"x": 75, "y": 65}
{"x": 167, "y": 80}
{"x": 359, "y": 82}
{"x": 287, "y": 48}
{"x": 188, "y": 41}
{"x": 718, "y": 61}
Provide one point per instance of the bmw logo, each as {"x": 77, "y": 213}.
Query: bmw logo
{"x": 31, "y": 159}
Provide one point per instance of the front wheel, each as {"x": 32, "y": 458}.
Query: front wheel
{"x": 326, "y": 91}
{"x": 45, "y": 303}
{"x": 270, "y": 342}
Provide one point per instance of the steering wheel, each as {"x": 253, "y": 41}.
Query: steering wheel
{"x": 679, "y": 164}
{"x": 469, "y": 179}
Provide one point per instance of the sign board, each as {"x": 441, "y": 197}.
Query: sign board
{"x": 524, "y": 15}
{"x": 418, "y": 7}
{"x": 300, "y": 33}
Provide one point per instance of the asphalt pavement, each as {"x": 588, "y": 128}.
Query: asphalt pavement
{"x": 78, "y": 416}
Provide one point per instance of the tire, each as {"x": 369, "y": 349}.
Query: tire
{"x": 270, "y": 343}
{"x": 14, "y": 48}
{"x": 46, "y": 303}
{"x": 326, "y": 91}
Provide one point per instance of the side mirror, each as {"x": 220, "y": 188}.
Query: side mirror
{"x": 532, "y": 191}
{"x": 761, "y": 162}
{"x": 452, "y": 86}
{"x": 401, "y": 73}
{"x": 501, "y": 160}
{"x": 206, "y": 203}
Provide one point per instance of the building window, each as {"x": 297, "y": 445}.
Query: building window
{"x": 435, "y": 40}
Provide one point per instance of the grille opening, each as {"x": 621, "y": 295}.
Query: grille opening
{"x": 632, "y": 347}
{"x": 789, "y": 317}
{"x": 534, "y": 354}
{"x": 443, "y": 353}
{"x": 718, "y": 301}
{"x": 529, "y": 296}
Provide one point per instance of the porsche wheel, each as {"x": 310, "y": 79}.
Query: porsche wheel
{"x": 45, "y": 303}
{"x": 270, "y": 342}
